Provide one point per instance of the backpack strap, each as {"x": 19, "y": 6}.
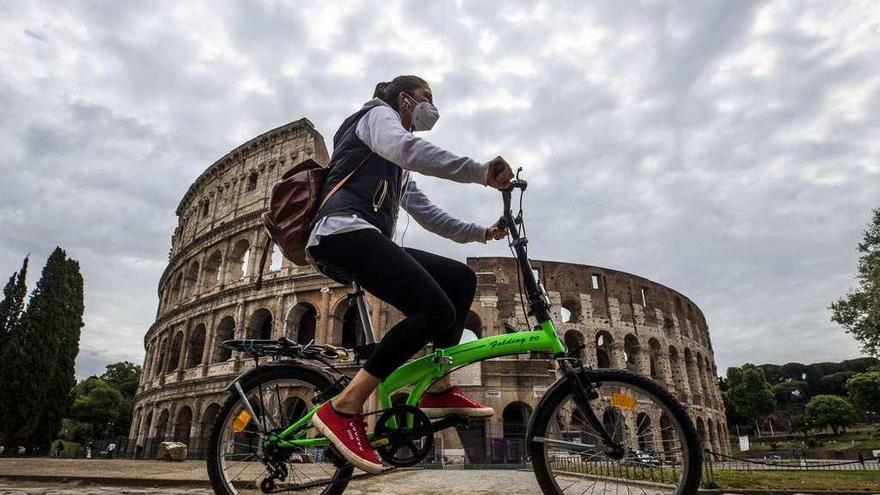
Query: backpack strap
{"x": 267, "y": 244}
{"x": 340, "y": 183}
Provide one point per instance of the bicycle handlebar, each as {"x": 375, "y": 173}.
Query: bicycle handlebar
{"x": 538, "y": 300}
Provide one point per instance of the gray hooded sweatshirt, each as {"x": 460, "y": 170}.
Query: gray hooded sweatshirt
{"x": 381, "y": 130}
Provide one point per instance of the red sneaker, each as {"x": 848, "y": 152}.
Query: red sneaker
{"x": 349, "y": 437}
{"x": 453, "y": 402}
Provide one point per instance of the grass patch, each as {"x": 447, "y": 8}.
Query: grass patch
{"x": 799, "y": 480}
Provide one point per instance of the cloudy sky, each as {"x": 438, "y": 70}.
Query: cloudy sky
{"x": 729, "y": 150}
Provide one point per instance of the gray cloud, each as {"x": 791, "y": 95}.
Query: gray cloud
{"x": 728, "y": 150}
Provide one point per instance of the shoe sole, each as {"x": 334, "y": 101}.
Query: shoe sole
{"x": 358, "y": 461}
{"x": 440, "y": 412}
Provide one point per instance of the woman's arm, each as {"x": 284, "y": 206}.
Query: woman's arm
{"x": 380, "y": 129}
{"x": 435, "y": 219}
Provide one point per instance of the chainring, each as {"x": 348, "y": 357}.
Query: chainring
{"x": 404, "y": 436}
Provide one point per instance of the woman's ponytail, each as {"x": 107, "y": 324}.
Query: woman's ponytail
{"x": 381, "y": 90}
{"x": 388, "y": 91}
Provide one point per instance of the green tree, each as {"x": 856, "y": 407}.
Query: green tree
{"x": 749, "y": 393}
{"x": 830, "y": 411}
{"x": 791, "y": 395}
{"x": 124, "y": 376}
{"x": 864, "y": 392}
{"x": 97, "y": 404}
{"x": 801, "y": 423}
{"x": 859, "y": 311}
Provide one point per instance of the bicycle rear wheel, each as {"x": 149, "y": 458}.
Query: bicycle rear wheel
{"x": 660, "y": 451}
{"x": 238, "y": 464}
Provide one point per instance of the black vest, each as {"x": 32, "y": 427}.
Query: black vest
{"x": 373, "y": 191}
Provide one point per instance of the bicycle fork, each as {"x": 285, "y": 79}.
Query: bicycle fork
{"x": 583, "y": 392}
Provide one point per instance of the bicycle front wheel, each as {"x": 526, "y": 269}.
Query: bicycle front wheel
{"x": 238, "y": 463}
{"x": 660, "y": 451}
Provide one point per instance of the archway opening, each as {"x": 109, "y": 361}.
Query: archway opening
{"x": 260, "y": 325}
{"x": 225, "y": 331}
{"x": 195, "y": 346}
{"x": 301, "y": 322}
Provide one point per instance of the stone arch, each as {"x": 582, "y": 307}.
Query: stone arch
{"x": 655, "y": 365}
{"x": 645, "y": 433}
{"x": 570, "y": 311}
{"x": 604, "y": 350}
{"x": 677, "y": 377}
{"x": 207, "y": 423}
{"x": 631, "y": 351}
{"x": 473, "y": 328}
{"x": 211, "y": 271}
{"x": 701, "y": 432}
{"x": 301, "y": 322}
{"x": 237, "y": 264}
{"x": 176, "y": 348}
{"x": 177, "y": 287}
{"x": 711, "y": 380}
{"x": 161, "y": 365}
{"x": 668, "y": 439}
{"x": 574, "y": 340}
{"x": 275, "y": 260}
{"x": 722, "y": 437}
{"x": 196, "y": 346}
{"x": 183, "y": 425}
{"x": 515, "y": 420}
{"x": 225, "y": 331}
{"x": 161, "y": 427}
{"x": 260, "y": 324}
{"x": 347, "y": 330}
{"x": 191, "y": 279}
{"x": 614, "y": 422}
{"x": 713, "y": 440}
{"x": 701, "y": 374}
{"x": 691, "y": 370}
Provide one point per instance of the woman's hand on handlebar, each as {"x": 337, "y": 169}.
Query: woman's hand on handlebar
{"x": 500, "y": 173}
{"x": 495, "y": 232}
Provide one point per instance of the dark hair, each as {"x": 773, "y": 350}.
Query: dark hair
{"x": 388, "y": 91}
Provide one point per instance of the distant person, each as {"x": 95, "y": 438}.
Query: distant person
{"x": 111, "y": 449}
{"x": 59, "y": 449}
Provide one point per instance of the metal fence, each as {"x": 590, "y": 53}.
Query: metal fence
{"x": 722, "y": 461}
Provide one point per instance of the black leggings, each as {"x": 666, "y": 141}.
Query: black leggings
{"x": 433, "y": 292}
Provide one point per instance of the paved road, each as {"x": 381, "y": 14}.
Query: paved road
{"x": 439, "y": 482}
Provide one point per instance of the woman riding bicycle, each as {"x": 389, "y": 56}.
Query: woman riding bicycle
{"x": 352, "y": 240}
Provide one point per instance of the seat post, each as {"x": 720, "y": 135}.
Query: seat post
{"x": 369, "y": 336}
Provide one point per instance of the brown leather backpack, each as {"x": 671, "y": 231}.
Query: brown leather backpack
{"x": 293, "y": 204}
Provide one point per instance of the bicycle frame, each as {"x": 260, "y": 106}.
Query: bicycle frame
{"x": 421, "y": 372}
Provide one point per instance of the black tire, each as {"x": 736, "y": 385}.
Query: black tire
{"x": 690, "y": 479}
{"x": 319, "y": 381}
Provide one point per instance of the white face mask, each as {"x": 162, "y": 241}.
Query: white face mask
{"x": 424, "y": 115}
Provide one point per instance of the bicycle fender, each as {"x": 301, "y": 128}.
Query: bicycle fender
{"x": 279, "y": 364}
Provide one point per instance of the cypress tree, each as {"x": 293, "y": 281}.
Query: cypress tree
{"x": 10, "y": 349}
{"x": 59, "y": 389}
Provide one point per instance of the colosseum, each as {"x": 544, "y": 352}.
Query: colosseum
{"x": 206, "y": 296}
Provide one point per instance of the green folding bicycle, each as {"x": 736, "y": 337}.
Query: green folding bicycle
{"x": 593, "y": 431}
